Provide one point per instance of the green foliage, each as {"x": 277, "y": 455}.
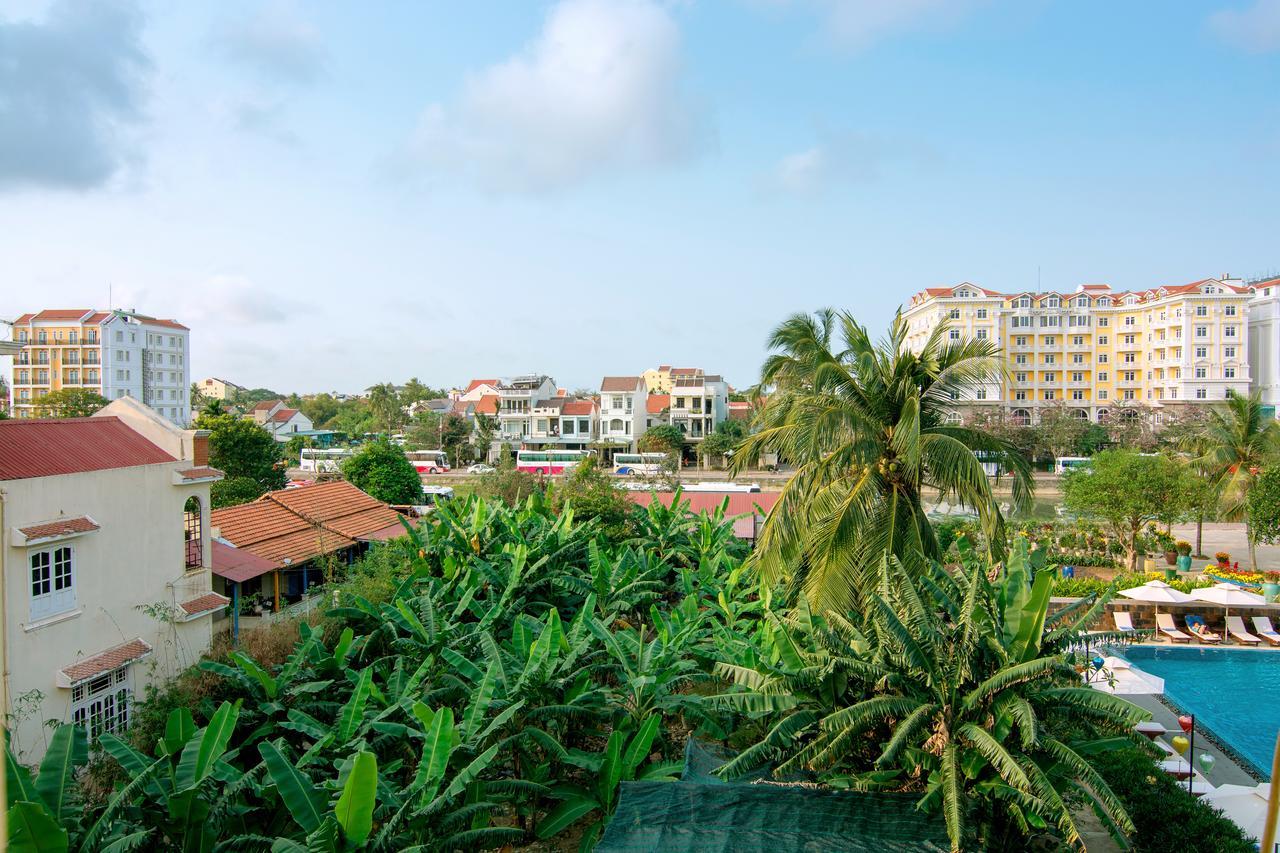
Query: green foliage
{"x": 663, "y": 438}
{"x": 867, "y": 427}
{"x": 240, "y": 448}
{"x": 69, "y": 403}
{"x": 1166, "y": 818}
{"x": 1264, "y": 506}
{"x": 507, "y": 484}
{"x": 1128, "y": 491}
{"x": 232, "y": 491}
{"x": 591, "y": 493}
{"x": 381, "y": 469}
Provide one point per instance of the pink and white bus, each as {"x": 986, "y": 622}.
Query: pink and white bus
{"x": 429, "y": 461}
{"x": 549, "y": 461}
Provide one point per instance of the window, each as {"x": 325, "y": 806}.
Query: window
{"x": 1202, "y": 352}
{"x": 955, "y": 334}
{"x": 102, "y": 703}
{"x": 1129, "y": 376}
{"x": 192, "y": 529}
{"x": 1052, "y": 302}
{"x": 1102, "y": 358}
{"x": 567, "y": 427}
{"x": 1201, "y": 394}
{"x": 1201, "y": 373}
{"x": 1019, "y": 359}
{"x": 1019, "y": 395}
{"x": 955, "y": 395}
{"x": 1050, "y": 358}
{"x": 981, "y": 393}
{"x": 1024, "y": 302}
{"x": 1130, "y": 395}
{"x": 1021, "y": 322}
{"x": 1020, "y": 341}
{"x": 1050, "y": 377}
{"x": 955, "y": 314}
{"x": 982, "y": 313}
{"x": 982, "y": 334}
{"x": 1077, "y": 395}
{"x": 615, "y": 425}
{"x": 1102, "y": 340}
{"x": 1077, "y": 377}
{"x": 615, "y": 401}
{"x": 1229, "y": 331}
{"x": 1202, "y": 331}
{"x": 1104, "y": 321}
{"x": 1051, "y": 341}
{"x": 1130, "y": 358}
{"x": 1078, "y": 358}
{"x": 1021, "y": 377}
{"x": 1202, "y": 311}
{"x": 1047, "y": 321}
{"x": 1230, "y": 311}
{"x": 1102, "y": 395}
{"x": 1050, "y": 394}
{"x": 1077, "y": 340}
{"x": 1229, "y": 373}
{"x": 53, "y": 587}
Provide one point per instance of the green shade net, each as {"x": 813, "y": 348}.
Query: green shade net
{"x": 704, "y": 813}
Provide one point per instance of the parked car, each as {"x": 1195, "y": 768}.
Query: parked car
{"x": 480, "y": 468}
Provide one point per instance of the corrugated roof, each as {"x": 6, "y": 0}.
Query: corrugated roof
{"x": 619, "y": 383}
{"x": 237, "y": 564}
{"x": 45, "y": 448}
{"x": 740, "y": 503}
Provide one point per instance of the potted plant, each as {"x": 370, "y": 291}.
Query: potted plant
{"x": 1223, "y": 558}
{"x": 1184, "y": 555}
{"x": 1271, "y": 586}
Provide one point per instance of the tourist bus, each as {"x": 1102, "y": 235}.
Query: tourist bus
{"x": 549, "y": 461}
{"x": 1063, "y": 464}
{"x": 323, "y": 460}
{"x": 428, "y": 461}
{"x": 639, "y": 464}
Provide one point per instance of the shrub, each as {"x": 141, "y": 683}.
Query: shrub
{"x": 1166, "y": 818}
{"x": 592, "y": 495}
{"x": 381, "y": 469}
{"x": 235, "y": 490}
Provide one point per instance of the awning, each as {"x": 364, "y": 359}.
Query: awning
{"x": 58, "y": 528}
{"x": 111, "y": 659}
{"x": 236, "y": 564}
{"x": 208, "y": 603}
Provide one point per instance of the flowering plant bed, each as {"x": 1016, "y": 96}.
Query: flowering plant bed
{"x": 1234, "y": 576}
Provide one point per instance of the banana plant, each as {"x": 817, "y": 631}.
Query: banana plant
{"x": 623, "y": 760}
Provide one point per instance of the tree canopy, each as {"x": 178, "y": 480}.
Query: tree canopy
{"x": 1128, "y": 490}
{"x": 1264, "y": 506}
{"x": 381, "y": 469}
{"x": 240, "y": 448}
{"x": 69, "y": 403}
{"x": 663, "y": 438}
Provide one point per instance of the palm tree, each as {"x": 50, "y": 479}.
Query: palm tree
{"x": 867, "y": 427}
{"x": 384, "y": 402}
{"x": 1239, "y": 440}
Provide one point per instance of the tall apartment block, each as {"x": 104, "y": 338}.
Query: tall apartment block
{"x": 1094, "y": 350}
{"x": 112, "y": 353}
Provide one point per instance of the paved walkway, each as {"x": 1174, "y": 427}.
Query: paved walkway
{"x": 1230, "y": 538}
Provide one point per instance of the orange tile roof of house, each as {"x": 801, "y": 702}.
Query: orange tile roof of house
{"x": 283, "y": 415}
{"x": 97, "y": 317}
{"x": 52, "y": 315}
{"x": 113, "y": 658}
{"x": 266, "y": 405}
{"x": 619, "y": 383}
{"x": 656, "y": 403}
{"x": 476, "y": 383}
{"x": 237, "y": 564}
{"x": 25, "y": 318}
{"x": 488, "y": 405}
{"x": 578, "y": 407}
{"x": 291, "y": 526}
{"x": 685, "y": 371}
{"x": 61, "y": 527}
{"x": 207, "y": 603}
{"x": 44, "y": 448}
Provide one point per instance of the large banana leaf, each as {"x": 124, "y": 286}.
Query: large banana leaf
{"x": 354, "y": 809}
{"x": 199, "y": 755}
{"x": 33, "y": 830}
{"x": 300, "y": 796}
{"x": 68, "y": 749}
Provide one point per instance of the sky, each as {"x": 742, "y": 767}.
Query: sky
{"x": 334, "y": 194}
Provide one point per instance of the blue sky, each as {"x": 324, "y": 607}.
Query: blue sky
{"x": 337, "y": 194}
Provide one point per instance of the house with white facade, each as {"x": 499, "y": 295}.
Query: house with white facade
{"x": 105, "y": 558}
{"x": 1264, "y": 341}
{"x": 218, "y": 389}
{"x": 280, "y": 420}
{"x": 622, "y": 410}
{"x": 699, "y": 402}
{"x": 516, "y": 398}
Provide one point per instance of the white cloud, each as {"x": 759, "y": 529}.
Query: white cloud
{"x": 233, "y": 301}
{"x": 278, "y": 44}
{"x": 840, "y": 159}
{"x": 1255, "y": 28}
{"x": 855, "y": 24}
{"x": 71, "y": 91}
{"x": 598, "y": 88}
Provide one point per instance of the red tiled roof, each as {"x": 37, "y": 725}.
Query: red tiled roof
{"x": 44, "y": 448}
{"x": 302, "y": 523}
{"x": 113, "y": 658}
{"x": 476, "y": 383}
{"x": 237, "y": 564}
{"x": 685, "y": 371}
{"x": 488, "y": 405}
{"x": 207, "y": 603}
{"x": 578, "y": 407}
{"x": 655, "y": 403}
{"x": 391, "y": 531}
{"x": 200, "y": 473}
{"x": 1267, "y": 282}
{"x": 97, "y": 317}
{"x": 461, "y": 407}
{"x": 168, "y": 324}
{"x": 283, "y": 415}
{"x": 61, "y": 527}
{"x": 619, "y": 383}
{"x": 50, "y": 315}
{"x": 266, "y": 405}
{"x": 25, "y": 318}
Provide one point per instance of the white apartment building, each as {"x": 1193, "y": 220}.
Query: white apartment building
{"x": 622, "y": 410}
{"x": 113, "y": 353}
{"x": 516, "y": 399}
{"x": 105, "y": 563}
{"x": 219, "y": 389}
{"x": 1094, "y": 350}
{"x": 1264, "y": 341}
{"x": 699, "y": 402}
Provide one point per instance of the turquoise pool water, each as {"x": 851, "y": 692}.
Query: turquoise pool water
{"x": 1234, "y": 693}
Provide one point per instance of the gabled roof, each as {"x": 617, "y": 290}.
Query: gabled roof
{"x": 476, "y": 383}
{"x": 266, "y": 405}
{"x": 578, "y": 407}
{"x": 45, "y": 448}
{"x": 487, "y": 405}
{"x": 655, "y": 404}
{"x": 619, "y": 383}
{"x": 686, "y": 371}
{"x": 556, "y": 403}
{"x": 283, "y": 416}
{"x": 291, "y": 526}
{"x": 62, "y": 315}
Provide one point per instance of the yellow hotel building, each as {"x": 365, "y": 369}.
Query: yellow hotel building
{"x": 1095, "y": 350}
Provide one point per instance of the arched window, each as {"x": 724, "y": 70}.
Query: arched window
{"x": 954, "y": 418}
{"x": 1021, "y": 417}
{"x": 193, "y": 533}
{"x": 615, "y": 425}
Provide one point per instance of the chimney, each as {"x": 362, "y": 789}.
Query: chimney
{"x": 200, "y": 447}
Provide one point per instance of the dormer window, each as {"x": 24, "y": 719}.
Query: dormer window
{"x": 1024, "y": 302}
{"x": 1052, "y": 302}
{"x": 1104, "y": 302}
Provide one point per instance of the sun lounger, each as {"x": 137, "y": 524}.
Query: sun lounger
{"x": 1164, "y": 621}
{"x": 1262, "y": 624}
{"x": 1124, "y": 622}
{"x": 1195, "y": 624}
{"x": 1236, "y": 628}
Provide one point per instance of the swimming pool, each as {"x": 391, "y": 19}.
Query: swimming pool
{"x": 1234, "y": 693}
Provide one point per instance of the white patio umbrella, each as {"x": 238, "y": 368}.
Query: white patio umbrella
{"x": 1245, "y": 805}
{"x": 1228, "y": 595}
{"x": 1157, "y": 593}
